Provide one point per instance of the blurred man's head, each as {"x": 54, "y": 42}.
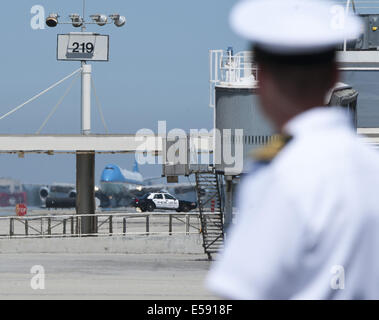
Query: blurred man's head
{"x": 291, "y": 84}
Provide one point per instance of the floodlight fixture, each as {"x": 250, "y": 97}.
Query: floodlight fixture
{"x": 118, "y": 20}
{"x": 52, "y": 20}
{"x": 77, "y": 20}
{"x": 100, "y": 19}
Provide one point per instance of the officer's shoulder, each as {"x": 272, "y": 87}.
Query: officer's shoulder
{"x": 268, "y": 153}
{"x": 263, "y": 159}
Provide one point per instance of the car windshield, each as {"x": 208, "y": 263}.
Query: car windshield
{"x": 145, "y": 195}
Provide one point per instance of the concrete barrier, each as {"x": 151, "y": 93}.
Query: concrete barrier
{"x": 175, "y": 244}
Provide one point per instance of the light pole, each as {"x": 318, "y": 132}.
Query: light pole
{"x": 85, "y": 46}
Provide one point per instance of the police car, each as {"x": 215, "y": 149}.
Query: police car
{"x": 163, "y": 201}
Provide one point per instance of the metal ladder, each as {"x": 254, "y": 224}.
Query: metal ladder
{"x": 211, "y": 213}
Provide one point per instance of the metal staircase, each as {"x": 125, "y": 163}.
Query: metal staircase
{"x": 208, "y": 187}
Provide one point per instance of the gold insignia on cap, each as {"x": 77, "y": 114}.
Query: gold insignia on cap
{"x": 270, "y": 151}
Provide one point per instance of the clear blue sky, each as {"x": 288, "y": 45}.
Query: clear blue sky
{"x": 158, "y": 70}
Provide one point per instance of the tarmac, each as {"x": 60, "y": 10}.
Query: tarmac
{"x": 133, "y": 267}
{"x": 104, "y": 276}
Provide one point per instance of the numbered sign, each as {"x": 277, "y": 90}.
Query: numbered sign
{"x": 83, "y": 46}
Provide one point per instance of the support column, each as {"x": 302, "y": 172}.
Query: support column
{"x": 86, "y": 98}
{"x": 85, "y": 161}
{"x": 85, "y": 188}
{"x": 228, "y": 213}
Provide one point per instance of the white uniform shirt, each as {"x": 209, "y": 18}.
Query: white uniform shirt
{"x": 308, "y": 222}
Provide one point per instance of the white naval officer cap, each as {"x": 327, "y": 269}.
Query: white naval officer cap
{"x": 294, "y": 26}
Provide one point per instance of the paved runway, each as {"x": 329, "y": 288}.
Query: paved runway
{"x": 106, "y": 276}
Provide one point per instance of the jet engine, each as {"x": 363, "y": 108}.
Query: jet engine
{"x": 72, "y": 194}
{"x": 44, "y": 193}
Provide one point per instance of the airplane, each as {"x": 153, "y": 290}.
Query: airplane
{"x": 120, "y": 186}
{"x": 57, "y": 195}
{"x": 114, "y": 182}
{"x": 62, "y": 195}
{"x": 113, "y": 179}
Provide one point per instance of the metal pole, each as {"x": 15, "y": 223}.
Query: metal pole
{"x": 124, "y": 226}
{"x": 170, "y": 224}
{"x": 86, "y": 98}
{"x": 26, "y": 227}
{"x": 228, "y": 202}
{"x": 84, "y": 12}
{"x": 49, "y": 226}
{"x": 11, "y": 227}
{"x": 110, "y": 225}
{"x": 85, "y": 161}
{"x": 346, "y": 13}
{"x": 72, "y": 225}
{"x": 78, "y": 223}
{"x": 147, "y": 225}
{"x": 187, "y": 224}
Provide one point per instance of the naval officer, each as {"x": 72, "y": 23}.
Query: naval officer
{"x": 308, "y": 217}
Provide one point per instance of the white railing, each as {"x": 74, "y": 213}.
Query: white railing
{"x": 230, "y": 70}
{"x": 110, "y": 224}
{"x": 238, "y": 70}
